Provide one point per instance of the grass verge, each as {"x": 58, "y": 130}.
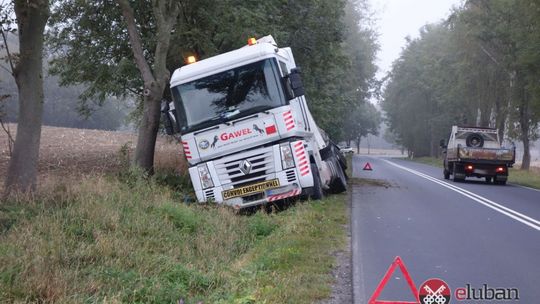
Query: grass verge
{"x": 129, "y": 240}
{"x": 529, "y": 178}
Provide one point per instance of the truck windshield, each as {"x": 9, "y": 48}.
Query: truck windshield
{"x": 232, "y": 94}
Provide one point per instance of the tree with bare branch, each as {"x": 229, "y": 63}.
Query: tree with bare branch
{"x": 154, "y": 77}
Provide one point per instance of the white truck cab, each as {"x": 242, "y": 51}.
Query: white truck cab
{"x": 247, "y": 131}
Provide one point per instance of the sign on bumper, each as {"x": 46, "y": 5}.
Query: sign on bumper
{"x": 250, "y": 189}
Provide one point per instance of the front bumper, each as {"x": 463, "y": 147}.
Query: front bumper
{"x": 271, "y": 195}
{"x": 289, "y": 186}
{"x": 266, "y": 167}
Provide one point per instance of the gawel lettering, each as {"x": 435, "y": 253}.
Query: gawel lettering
{"x": 235, "y": 134}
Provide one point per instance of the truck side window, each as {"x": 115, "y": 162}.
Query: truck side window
{"x": 283, "y": 66}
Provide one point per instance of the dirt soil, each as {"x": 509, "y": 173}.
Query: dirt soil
{"x": 67, "y": 152}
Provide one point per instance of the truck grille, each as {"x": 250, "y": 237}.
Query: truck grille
{"x": 228, "y": 168}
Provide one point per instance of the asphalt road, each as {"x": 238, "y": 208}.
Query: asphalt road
{"x": 463, "y": 233}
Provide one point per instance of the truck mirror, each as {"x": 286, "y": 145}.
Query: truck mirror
{"x": 289, "y": 94}
{"x": 442, "y": 143}
{"x": 296, "y": 83}
{"x": 166, "y": 118}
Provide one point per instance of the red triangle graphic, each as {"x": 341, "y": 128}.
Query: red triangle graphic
{"x": 367, "y": 167}
{"x": 397, "y": 262}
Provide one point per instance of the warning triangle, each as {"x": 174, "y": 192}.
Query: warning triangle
{"x": 367, "y": 167}
{"x": 397, "y": 262}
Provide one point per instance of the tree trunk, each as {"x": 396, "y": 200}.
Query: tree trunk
{"x": 526, "y": 161}
{"x": 500, "y": 120}
{"x": 524, "y": 126}
{"x": 358, "y": 145}
{"x": 146, "y": 141}
{"x": 31, "y": 19}
{"x": 154, "y": 78}
{"x": 524, "y": 122}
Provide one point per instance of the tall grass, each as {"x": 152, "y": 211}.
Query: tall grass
{"x": 129, "y": 239}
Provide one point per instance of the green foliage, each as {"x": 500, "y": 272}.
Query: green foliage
{"x": 476, "y": 68}
{"x": 416, "y": 102}
{"x": 358, "y": 82}
{"x": 262, "y": 225}
{"x": 331, "y": 41}
{"x": 184, "y": 219}
{"x": 362, "y": 120}
{"x": 90, "y": 45}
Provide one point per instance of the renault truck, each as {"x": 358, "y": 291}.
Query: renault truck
{"x": 246, "y": 129}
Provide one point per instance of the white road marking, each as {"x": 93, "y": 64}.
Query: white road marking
{"x": 533, "y": 223}
{"x": 521, "y": 186}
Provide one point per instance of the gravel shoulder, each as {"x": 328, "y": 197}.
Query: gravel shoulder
{"x": 342, "y": 291}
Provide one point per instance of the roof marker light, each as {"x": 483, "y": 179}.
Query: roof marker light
{"x": 252, "y": 41}
{"x": 191, "y": 59}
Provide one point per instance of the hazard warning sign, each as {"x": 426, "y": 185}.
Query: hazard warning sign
{"x": 367, "y": 167}
{"x": 396, "y": 263}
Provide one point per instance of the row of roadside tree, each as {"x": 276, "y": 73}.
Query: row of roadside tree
{"x": 480, "y": 67}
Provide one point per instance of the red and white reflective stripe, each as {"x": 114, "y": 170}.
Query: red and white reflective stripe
{"x": 289, "y": 120}
{"x": 278, "y": 197}
{"x": 302, "y": 157}
{"x": 187, "y": 153}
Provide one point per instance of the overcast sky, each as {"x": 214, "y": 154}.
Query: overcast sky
{"x": 397, "y": 19}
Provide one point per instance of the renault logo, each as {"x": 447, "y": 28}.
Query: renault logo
{"x": 245, "y": 167}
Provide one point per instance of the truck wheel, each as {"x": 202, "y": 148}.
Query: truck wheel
{"x": 446, "y": 174}
{"x": 489, "y": 179}
{"x": 317, "y": 191}
{"x": 498, "y": 181}
{"x": 341, "y": 160}
{"x": 339, "y": 184}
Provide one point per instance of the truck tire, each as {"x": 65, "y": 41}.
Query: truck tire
{"x": 341, "y": 160}
{"x": 474, "y": 140}
{"x": 317, "y": 190}
{"x": 339, "y": 183}
{"x": 498, "y": 181}
{"x": 446, "y": 172}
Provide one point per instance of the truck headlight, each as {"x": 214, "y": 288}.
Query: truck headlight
{"x": 287, "y": 160}
{"x": 204, "y": 175}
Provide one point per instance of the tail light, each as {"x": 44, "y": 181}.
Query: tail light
{"x": 469, "y": 168}
{"x": 500, "y": 170}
